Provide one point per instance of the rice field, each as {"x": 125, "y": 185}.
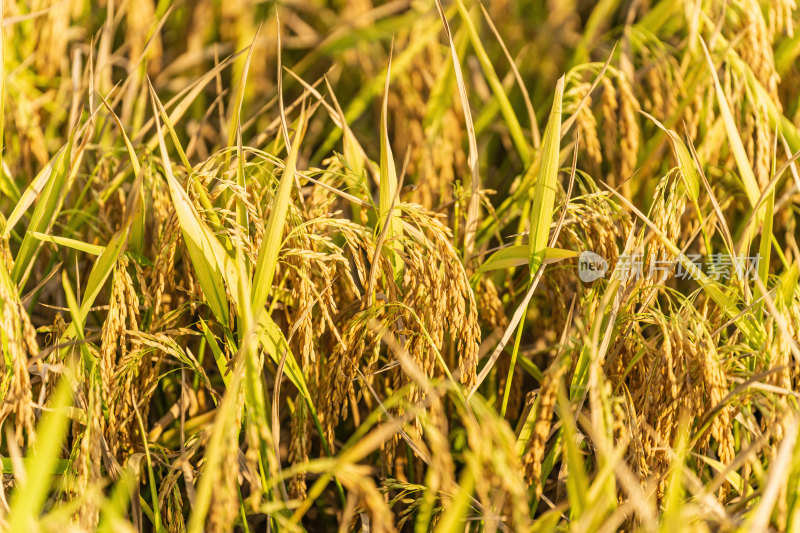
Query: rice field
{"x": 415, "y": 265}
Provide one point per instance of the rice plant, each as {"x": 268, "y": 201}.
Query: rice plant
{"x": 417, "y": 265}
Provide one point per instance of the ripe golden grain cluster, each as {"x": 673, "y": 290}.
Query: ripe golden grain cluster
{"x": 261, "y": 265}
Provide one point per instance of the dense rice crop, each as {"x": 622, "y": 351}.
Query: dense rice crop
{"x": 405, "y": 265}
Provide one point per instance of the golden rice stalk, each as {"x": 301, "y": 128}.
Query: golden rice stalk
{"x": 298, "y": 447}
{"x": 18, "y": 337}
{"x": 545, "y": 406}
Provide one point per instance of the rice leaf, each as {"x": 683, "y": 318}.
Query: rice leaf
{"x": 577, "y": 484}
{"x": 104, "y": 265}
{"x": 238, "y": 97}
{"x": 44, "y": 214}
{"x": 544, "y": 193}
{"x": 388, "y": 184}
{"x": 736, "y": 145}
{"x": 270, "y": 250}
{"x": 75, "y": 244}
{"x": 474, "y": 196}
{"x": 454, "y": 517}
{"x": 212, "y": 264}
{"x": 201, "y": 192}
{"x": 518, "y": 255}
{"x": 136, "y": 237}
{"x": 506, "y": 109}
{"x": 77, "y": 320}
{"x": 27, "y": 499}
{"x": 685, "y": 160}
{"x": 219, "y": 357}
